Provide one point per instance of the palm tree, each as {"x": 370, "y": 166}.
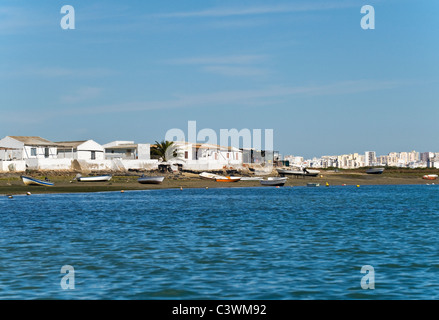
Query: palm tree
{"x": 164, "y": 150}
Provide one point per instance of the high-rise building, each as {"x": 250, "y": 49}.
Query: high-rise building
{"x": 370, "y": 158}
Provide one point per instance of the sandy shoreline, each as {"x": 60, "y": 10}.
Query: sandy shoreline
{"x": 12, "y": 185}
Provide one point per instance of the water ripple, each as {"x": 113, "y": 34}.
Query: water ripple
{"x": 244, "y": 243}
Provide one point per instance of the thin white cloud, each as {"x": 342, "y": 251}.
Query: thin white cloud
{"x": 55, "y": 72}
{"x": 227, "y": 65}
{"x": 263, "y": 97}
{"x": 247, "y": 98}
{"x": 234, "y": 71}
{"x": 81, "y": 95}
{"x": 19, "y": 20}
{"x": 216, "y": 60}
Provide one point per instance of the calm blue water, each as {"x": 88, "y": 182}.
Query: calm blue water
{"x": 244, "y": 243}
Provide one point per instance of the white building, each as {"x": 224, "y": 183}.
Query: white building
{"x": 294, "y": 161}
{"x": 370, "y": 158}
{"x": 26, "y": 147}
{"x": 127, "y": 150}
{"x": 80, "y": 150}
{"x": 197, "y": 156}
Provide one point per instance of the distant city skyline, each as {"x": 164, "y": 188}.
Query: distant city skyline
{"x": 305, "y": 69}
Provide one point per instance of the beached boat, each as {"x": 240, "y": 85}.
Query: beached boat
{"x": 35, "y": 182}
{"x": 296, "y": 172}
{"x": 430, "y": 177}
{"x": 228, "y": 179}
{"x": 274, "y": 181}
{"x": 251, "y": 178}
{"x": 375, "y": 171}
{"x": 150, "y": 180}
{"x": 207, "y": 175}
{"x": 95, "y": 178}
{"x": 313, "y": 184}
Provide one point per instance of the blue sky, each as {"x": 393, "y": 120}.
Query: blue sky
{"x": 306, "y": 69}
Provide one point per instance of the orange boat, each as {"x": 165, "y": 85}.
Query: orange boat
{"x": 430, "y": 177}
{"x": 228, "y": 179}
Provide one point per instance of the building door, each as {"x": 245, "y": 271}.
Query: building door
{"x": 46, "y": 152}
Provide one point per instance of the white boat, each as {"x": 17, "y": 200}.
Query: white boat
{"x": 296, "y": 172}
{"x": 251, "y": 178}
{"x": 228, "y": 179}
{"x": 430, "y": 177}
{"x": 95, "y": 178}
{"x": 375, "y": 171}
{"x": 207, "y": 175}
{"x": 150, "y": 180}
{"x": 274, "y": 181}
{"x": 35, "y": 182}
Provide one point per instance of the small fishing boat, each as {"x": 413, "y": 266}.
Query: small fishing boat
{"x": 228, "y": 179}
{"x": 150, "y": 180}
{"x": 251, "y": 178}
{"x": 35, "y": 182}
{"x": 212, "y": 176}
{"x": 313, "y": 184}
{"x": 94, "y": 178}
{"x": 375, "y": 171}
{"x": 430, "y": 177}
{"x": 274, "y": 181}
{"x": 296, "y": 172}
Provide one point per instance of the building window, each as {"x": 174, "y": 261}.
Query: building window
{"x": 46, "y": 152}
{"x": 33, "y": 152}
{"x": 93, "y": 155}
{"x": 186, "y": 154}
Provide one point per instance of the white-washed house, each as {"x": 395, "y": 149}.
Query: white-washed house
{"x": 37, "y": 153}
{"x": 29, "y": 147}
{"x": 127, "y": 155}
{"x": 198, "y": 156}
{"x": 80, "y": 150}
{"x": 127, "y": 150}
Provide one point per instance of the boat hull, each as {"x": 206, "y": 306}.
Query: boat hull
{"x": 150, "y": 180}
{"x": 228, "y": 179}
{"x": 274, "y": 182}
{"x": 430, "y": 177}
{"x": 375, "y": 171}
{"x": 95, "y": 179}
{"x": 298, "y": 173}
{"x": 35, "y": 182}
{"x": 252, "y": 178}
{"x": 210, "y": 176}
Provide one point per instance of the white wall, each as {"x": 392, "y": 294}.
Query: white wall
{"x": 49, "y": 164}
{"x": 86, "y": 155}
{"x": 117, "y": 165}
{"x": 17, "y": 146}
{"x": 40, "y": 152}
{"x": 144, "y": 151}
{"x": 85, "y": 165}
{"x": 12, "y": 166}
